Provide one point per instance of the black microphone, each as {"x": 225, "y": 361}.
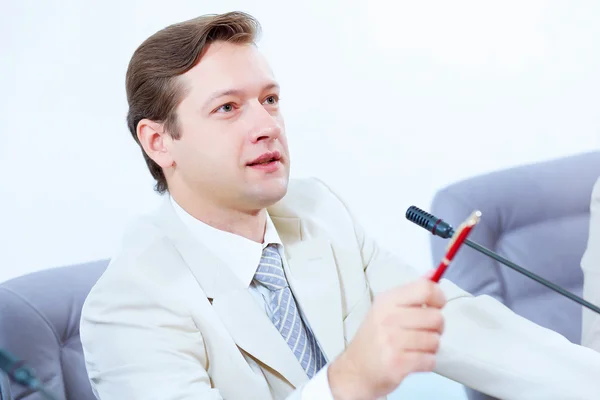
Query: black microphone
{"x": 433, "y": 224}
{"x": 439, "y": 227}
{"x": 18, "y": 372}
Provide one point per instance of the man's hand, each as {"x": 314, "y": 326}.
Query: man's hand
{"x": 400, "y": 335}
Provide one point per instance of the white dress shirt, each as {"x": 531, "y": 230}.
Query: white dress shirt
{"x": 243, "y": 257}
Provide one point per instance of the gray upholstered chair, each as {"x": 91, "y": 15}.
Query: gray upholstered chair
{"x": 39, "y": 323}
{"x": 536, "y": 216}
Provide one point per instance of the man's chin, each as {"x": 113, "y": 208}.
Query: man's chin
{"x": 269, "y": 193}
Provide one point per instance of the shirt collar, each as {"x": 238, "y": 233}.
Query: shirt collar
{"x": 240, "y": 254}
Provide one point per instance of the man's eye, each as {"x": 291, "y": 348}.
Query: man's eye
{"x": 272, "y": 100}
{"x": 225, "y": 108}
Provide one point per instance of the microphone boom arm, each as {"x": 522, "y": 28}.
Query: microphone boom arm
{"x": 439, "y": 227}
{"x": 533, "y": 276}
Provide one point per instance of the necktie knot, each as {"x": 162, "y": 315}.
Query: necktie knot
{"x": 270, "y": 271}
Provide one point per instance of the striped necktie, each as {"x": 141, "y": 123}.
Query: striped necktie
{"x": 285, "y": 315}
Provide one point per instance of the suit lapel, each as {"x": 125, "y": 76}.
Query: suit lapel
{"x": 254, "y": 332}
{"x": 247, "y": 323}
{"x": 312, "y": 274}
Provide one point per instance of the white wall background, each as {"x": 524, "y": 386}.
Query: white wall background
{"x": 381, "y": 99}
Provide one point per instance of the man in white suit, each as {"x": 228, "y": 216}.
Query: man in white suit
{"x": 245, "y": 286}
{"x": 590, "y": 264}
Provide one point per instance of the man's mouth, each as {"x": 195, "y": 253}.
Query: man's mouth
{"x": 266, "y": 158}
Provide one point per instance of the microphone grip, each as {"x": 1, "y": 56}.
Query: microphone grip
{"x": 436, "y": 226}
{"x": 531, "y": 275}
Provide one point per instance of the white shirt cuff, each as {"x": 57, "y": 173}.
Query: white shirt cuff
{"x": 318, "y": 387}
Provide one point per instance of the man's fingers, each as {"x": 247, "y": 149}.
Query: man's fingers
{"x": 421, "y": 292}
{"x": 420, "y": 362}
{"x": 426, "y": 319}
{"x": 421, "y": 341}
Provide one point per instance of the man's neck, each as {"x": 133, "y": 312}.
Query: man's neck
{"x": 250, "y": 225}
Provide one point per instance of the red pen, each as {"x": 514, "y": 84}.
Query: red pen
{"x": 456, "y": 242}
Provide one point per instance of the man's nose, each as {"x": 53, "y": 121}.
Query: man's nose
{"x": 265, "y": 126}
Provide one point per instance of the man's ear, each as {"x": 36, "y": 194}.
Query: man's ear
{"x": 154, "y": 141}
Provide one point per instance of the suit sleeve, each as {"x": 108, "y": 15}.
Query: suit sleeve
{"x": 486, "y": 346}
{"x": 590, "y": 264}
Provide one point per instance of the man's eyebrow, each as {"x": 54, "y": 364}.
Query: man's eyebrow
{"x": 237, "y": 92}
{"x": 271, "y": 86}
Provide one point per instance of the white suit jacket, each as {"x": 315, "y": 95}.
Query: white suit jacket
{"x": 169, "y": 321}
{"x": 590, "y": 264}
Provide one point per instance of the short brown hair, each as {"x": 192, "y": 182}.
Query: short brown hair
{"x": 153, "y": 91}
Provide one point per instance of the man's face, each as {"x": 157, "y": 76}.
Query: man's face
{"x": 232, "y": 149}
